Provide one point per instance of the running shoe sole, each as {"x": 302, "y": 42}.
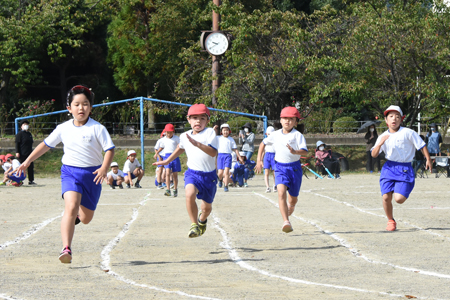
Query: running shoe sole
{"x": 287, "y": 227}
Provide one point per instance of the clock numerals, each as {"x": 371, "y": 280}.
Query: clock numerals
{"x": 216, "y": 43}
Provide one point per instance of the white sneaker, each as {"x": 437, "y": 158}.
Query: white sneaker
{"x": 268, "y": 190}
{"x": 275, "y": 189}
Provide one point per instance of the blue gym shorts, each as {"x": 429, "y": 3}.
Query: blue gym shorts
{"x": 223, "y": 161}
{"x": 81, "y": 180}
{"x": 174, "y": 165}
{"x": 290, "y": 175}
{"x": 18, "y": 179}
{"x": 126, "y": 174}
{"x": 269, "y": 160}
{"x": 205, "y": 182}
{"x": 397, "y": 177}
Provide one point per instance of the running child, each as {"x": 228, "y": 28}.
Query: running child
{"x": 200, "y": 179}
{"x": 170, "y": 143}
{"x": 397, "y": 178}
{"x": 11, "y": 177}
{"x": 269, "y": 162}
{"x": 227, "y": 145}
{"x": 115, "y": 177}
{"x": 132, "y": 169}
{"x": 288, "y": 144}
{"x": 84, "y": 167}
{"x": 159, "y": 154}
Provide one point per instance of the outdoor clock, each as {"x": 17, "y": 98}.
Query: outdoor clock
{"x": 216, "y": 43}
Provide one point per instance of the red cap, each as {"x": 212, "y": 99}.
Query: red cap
{"x": 8, "y": 155}
{"x": 162, "y": 133}
{"x": 169, "y": 127}
{"x": 198, "y": 109}
{"x": 2, "y": 157}
{"x": 290, "y": 112}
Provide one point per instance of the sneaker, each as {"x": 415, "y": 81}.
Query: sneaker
{"x": 17, "y": 184}
{"x": 2, "y": 183}
{"x": 66, "y": 255}
{"x": 225, "y": 189}
{"x": 171, "y": 185}
{"x": 329, "y": 177}
{"x": 275, "y": 189}
{"x": 245, "y": 184}
{"x": 77, "y": 220}
{"x": 291, "y": 210}
{"x": 194, "y": 231}
{"x": 268, "y": 190}
{"x": 220, "y": 183}
{"x": 164, "y": 184}
{"x": 138, "y": 186}
{"x": 201, "y": 226}
{"x": 121, "y": 187}
{"x": 128, "y": 186}
{"x": 112, "y": 187}
{"x": 287, "y": 227}
{"x": 160, "y": 187}
{"x": 337, "y": 176}
{"x": 167, "y": 193}
{"x": 175, "y": 193}
{"x": 391, "y": 225}
{"x": 31, "y": 183}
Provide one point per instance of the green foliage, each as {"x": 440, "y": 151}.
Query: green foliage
{"x": 236, "y": 123}
{"x": 38, "y": 107}
{"x": 5, "y": 115}
{"x": 320, "y": 120}
{"x": 345, "y": 124}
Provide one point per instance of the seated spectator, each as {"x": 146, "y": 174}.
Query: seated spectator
{"x": 324, "y": 161}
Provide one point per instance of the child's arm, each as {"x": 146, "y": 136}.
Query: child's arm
{"x": 295, "y": 152}
{"x": 259, "y": 161}
{"x": 205, "y": 148}
{"x": 174, "y": 155}
{"x": 425, "y": 152}
{"x": 376, "y": 150}
{"x": 157, "y": 153}
{"x": 103, "y": 170}
{"x": 38, "y": 152}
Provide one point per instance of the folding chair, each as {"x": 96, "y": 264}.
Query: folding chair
{"x": 419, "y": 168}
{"x": 441, "y": 166}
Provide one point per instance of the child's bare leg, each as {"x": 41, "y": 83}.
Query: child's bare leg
{"x": 220, "y": 174}
{"x": 206, "y": 210}
{"x": 139, "y": 174}
{"x": 387, "y": 205}
{"x": 292, "y": 201}
{"x": 399, "y": 198}
{"x": 282, "y": 201}
{"x": 110, "y": 180}
{"x": 72, "y": 202}
{"x": 119, "y": 180}
{"x": 266, "y": 177}
{"x": 85, "y": 214}
{"x": 226, "y": 176}
{"x": 168, "y": 172}
{"x": 191, "y": 205}
{"x": 159, "y": 174}
{"x": 175, "y": 180}
{"x": 127, "y": 179}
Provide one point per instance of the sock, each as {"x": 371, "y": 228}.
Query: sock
{"x": 202, "y": 222}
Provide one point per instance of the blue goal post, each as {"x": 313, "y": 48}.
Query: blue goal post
{"x": 141, "y": 102}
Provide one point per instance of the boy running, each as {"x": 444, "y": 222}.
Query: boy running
{"x": 200, "y": 179}
{"x": 397, "y": 175}
{"x": 227, "y": 145}
{"x": 288, "y": 144}
{"x": 169, "y": 143}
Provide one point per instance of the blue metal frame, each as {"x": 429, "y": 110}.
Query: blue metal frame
{"x": 141, "y": 106}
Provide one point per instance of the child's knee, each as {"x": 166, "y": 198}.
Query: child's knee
{"x": 400, "y": 199}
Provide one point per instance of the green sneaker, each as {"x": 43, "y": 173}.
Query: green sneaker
{"x": 175, "y": 193}
{"x": 201, "y": 226}
{"x": 167, "y": 193}
{"x": 194, "y": 231}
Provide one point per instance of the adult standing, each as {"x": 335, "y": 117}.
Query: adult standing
{"x": 433, "y": 140}
{"x": 248, "y": 139}
{"x": 371, "y": 137}
{"x": 24, "y": 147}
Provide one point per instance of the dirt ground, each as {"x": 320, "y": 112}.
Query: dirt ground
{"x": 137, "y": 247}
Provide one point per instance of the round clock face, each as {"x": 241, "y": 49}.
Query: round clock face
{"x": 216, "y": 43}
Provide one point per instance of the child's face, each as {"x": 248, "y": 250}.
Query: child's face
{"x": 198, "y": 122}
{"x": 115, "y": 169}
{"x": 225, "y": 131}
{"x": 393, "y": 120}
{"x": 132, "y": 157}
{"x": 288, "y": 123}
{"x": 169, "y": 134}
{"x": 80, "y": 108}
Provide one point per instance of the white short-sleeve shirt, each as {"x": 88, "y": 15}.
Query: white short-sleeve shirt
{"x": 169, "y": 144}
{"x": 129, "y": 166}
{"x": 279, "y": 140}
{"x": 226, "y": 144}
{"x": 197, "y": 159}
{"x": 6, "y": 166}
{"x": 158, "y": 145}
{"x": 83, "y": 145}
{"x": 114, "y": 175}
{"x": 401, "y": 145}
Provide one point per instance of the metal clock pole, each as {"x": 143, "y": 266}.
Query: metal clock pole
{"x": 215, "y": 58}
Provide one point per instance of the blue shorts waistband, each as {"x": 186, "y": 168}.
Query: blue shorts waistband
{"x": 405, "y": 164}
{"x": 201, "y": 172}
{"x": 291, "y": 164}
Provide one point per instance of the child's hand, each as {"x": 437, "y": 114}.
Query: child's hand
{"x": 259, "y": 166}
{"x": 160, "y": 163}
{"x": 22, "y": 168}
{"x": 101, "y": 175}
{"x": 193, "y": 142}
{"x": 290, "y": 149}
{"x": 384, "y": 138}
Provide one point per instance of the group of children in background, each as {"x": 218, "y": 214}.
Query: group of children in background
{"x": 85, "y": 167}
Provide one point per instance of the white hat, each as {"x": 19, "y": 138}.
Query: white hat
{"x": 242, "y": 153}
{"x": 393, "y": 108}
{"x": 114, "y": 164}
{"x": 131, "y": 152}
{"x": 319, "y": 143}
{"x": 270, "y": 129}
{"x": 225, "y": 126}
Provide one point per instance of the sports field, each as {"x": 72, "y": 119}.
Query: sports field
{"x": 137, "y": 247}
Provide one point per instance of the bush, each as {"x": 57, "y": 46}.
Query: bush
{"x": 237, "y": 123}
{"x": 345, "y": 124}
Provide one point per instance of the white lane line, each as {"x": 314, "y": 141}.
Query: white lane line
{"x": 356, "y": 252}
{"x": 3, "y": 296}
{"x": 34, "y": 229}
{"x": 232, "y": 252}
{"x": 106, "y": 258}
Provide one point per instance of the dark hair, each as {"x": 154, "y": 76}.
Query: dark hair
{"x": 80, "y": 89}
{"x": 374, "y": 127}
